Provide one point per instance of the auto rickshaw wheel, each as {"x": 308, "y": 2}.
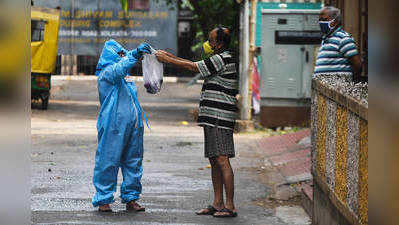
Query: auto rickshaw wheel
{"x": 44, "y": 97}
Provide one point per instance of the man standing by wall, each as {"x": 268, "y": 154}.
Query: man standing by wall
{"x": 338, "y": 54}
{"x": 217, "y": 114}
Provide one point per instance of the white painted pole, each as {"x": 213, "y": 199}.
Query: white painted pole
{"x": 244, "y": 62}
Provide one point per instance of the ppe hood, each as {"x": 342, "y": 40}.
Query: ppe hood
{"x": 109, "y": 55}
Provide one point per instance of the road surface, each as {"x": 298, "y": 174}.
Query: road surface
{"x": 176, "y": 181}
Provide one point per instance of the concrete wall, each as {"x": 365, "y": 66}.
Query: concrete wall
{"x": 339, "y": 157}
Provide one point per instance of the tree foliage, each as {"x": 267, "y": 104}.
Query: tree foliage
{"x": 209, "y": 14}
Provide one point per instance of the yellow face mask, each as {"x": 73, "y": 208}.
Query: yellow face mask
{"x": 207, "y": 48}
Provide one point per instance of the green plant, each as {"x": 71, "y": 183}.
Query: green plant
{"x": 209, "y": 14}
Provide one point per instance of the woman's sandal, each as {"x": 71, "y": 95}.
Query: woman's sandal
{"x": 210, "y": 211}
{"x": 105, "y": 211}
{"x": 134, "y": 207}
{"x": 108, "y": 210}
{"x": 229, "y": 212}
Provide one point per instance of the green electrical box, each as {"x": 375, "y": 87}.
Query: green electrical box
{"x": 289, "y": 39}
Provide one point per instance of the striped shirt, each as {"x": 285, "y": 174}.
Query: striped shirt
{"x": 218, "y": 103}
{"x": 334, "y": 54}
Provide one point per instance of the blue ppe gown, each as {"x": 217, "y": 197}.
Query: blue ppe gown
{"x": 119, "y": 126}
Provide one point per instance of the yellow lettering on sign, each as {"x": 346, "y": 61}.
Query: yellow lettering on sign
{"x": 115, "y": 23}
{"x": 89, "y": 14}
{"x": 65, "y": 13}
{"x": 95, "y": 14}
{"x": 81, "y": 14}
{"x": 110, "y": 23}
{"x": 103, "y": 23}
{"x": 164, "y": 15}
{"x": 64, "y": 23}
{"x": 78, "y": 23}
{"x": 109, "y": 14}
{"x": 133, "y": 23}
{"x": 75, "y": 23}
{"x": 121, "y": 14}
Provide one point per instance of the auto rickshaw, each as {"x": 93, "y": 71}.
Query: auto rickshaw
{"x": 44, "y": 41}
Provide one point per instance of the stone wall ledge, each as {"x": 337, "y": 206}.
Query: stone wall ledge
{"x": 346, "y": 101}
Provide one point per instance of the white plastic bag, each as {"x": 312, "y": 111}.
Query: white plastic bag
{"x": 152, "y": 73}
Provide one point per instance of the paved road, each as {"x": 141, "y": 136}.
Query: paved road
{"x": 175, "y": 182}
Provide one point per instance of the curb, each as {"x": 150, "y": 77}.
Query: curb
{"x": 307, "y": 199}
{"x": 93, "y": 77}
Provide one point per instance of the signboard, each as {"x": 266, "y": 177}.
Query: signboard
{"x": 298, "y": 37}
{"x": 86, "y": 24}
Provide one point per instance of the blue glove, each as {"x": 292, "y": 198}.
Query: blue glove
{"x": 139, "y": 51}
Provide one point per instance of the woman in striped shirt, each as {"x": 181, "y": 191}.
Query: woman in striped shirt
{"x": 217, "y": 114}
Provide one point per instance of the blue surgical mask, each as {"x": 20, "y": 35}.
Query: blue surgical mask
{"x": 325, "y": 26}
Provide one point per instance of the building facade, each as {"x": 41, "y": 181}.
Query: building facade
{"x": 85, "y": 25}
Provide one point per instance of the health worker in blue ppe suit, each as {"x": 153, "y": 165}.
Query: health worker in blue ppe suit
{"x": 120, "y": 128}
